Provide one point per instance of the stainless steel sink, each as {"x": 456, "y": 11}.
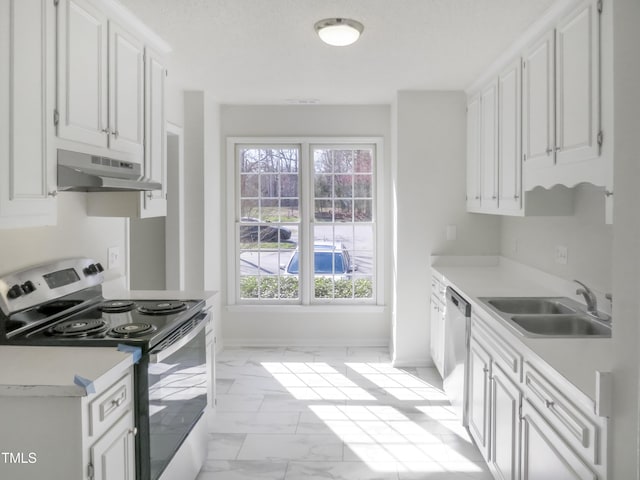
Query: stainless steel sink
{"x": 530, "y": 305}
{"x": 548, "y": 317}
{"x": 575, "y": 325}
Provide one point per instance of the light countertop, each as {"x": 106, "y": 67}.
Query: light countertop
{"x": 576, "y": 359}
{"x": 59, "y": 371}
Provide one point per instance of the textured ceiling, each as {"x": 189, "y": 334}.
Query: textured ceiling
{"x": 266, "y": 51}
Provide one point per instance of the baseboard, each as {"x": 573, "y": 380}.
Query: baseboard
{"x": 304, "y": 342}
{"x": 412, "y": 362}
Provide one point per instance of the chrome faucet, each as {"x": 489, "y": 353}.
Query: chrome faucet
{"x": 590, "y": 298}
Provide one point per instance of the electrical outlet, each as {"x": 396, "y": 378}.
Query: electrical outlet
{"x": 561, "y": 254}
{"x": 113, "y": 257}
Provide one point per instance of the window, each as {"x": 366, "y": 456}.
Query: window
{"x": 305, "y": 222}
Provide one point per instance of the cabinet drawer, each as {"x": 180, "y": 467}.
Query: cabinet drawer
{"x": 109, "y": 406}
{"x": 575, "y": 426}
{"x": 509, "y": 359}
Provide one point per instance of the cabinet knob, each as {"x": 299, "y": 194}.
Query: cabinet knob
{"x": 516, "y": 197}
{"x": 548, "y": 403}
{"x": 116, "y": 134}
{"x": 477, "y": 197}
{"x": 53, "y": 193}
{"x": 149, "y": 195}
{"x": 106, "y": 130}
{"x": 133, "y": 431}
{"x": 494, "y": 197}
{"x": 549, "y": 150}
{"x": 117, "y": 401}
{"x": 608, "y": 193}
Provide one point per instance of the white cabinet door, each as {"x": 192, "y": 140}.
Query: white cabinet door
{"x": 437, "y": 335}
{"x": 155, "y": 154}
{"x": 27, "y": 157}
{"x": 113, "y": 456}
{"x": 505, "y": 425}
{"x": 509, "y": 145}
{"x": 126, "y": 91}
{"x": 479, "y": 398}
{"x": 538, "y": 126}
{"x": 473, "y": 154}
{"x": 578, "y": 85}
{"x": 544, "y": 454}
{"x": 82, "y": 73}
{"x": 489, "y": 147}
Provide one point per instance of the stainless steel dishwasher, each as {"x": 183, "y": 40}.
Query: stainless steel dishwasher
{"x": 457, "y": 337}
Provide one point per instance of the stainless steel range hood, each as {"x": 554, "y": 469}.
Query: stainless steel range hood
{"x": 81, "y": 172}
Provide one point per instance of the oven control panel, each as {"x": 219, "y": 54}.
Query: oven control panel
{"x": 42, "y": 283}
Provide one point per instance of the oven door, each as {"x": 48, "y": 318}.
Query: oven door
{"x": 177, "y": 376}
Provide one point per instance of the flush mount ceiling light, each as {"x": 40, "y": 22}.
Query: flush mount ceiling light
{"x": 339, "y": 32}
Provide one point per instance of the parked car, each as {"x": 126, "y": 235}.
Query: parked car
{"x": 328, "y": 259}
{"x": 264, "y": 233}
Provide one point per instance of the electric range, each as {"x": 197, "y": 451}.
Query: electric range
{"x": 61, "y": 304}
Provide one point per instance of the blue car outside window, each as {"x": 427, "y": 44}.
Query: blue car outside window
{"x": 322, "y": 262}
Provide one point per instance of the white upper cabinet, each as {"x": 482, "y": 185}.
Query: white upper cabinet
{"x": 562, "y": 121}
{"x": 126, "y": 92}
{"x": 82, "y": 73}
{"x": 509, "y": 140}
{"x": 578, "y": 85}
{"x": 489, "y": 147}
{"x": 538, "y": 100}
{"x": 473, "y": 154}
{"x": 155, "y": 155}
{"x": 27, "y": 174}
{"x": 100, "y": 81}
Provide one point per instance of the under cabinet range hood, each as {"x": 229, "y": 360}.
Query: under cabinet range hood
{"x": 81, "y": 172}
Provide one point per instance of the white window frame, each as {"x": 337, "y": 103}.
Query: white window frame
{"x": 306, "y": 198}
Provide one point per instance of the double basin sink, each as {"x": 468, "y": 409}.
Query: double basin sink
{"x": 549, "y": 317}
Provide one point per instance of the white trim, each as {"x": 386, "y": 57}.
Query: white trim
{"x": 332, "y": 308}
{"x": 305, "y": 143}
{"x": 175, "y": 223}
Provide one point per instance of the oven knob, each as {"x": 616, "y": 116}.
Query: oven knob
{"x": 28, "y": 286}
{"x": 99, "y": 267}
{"x": 15, "y": 291}
{"x": 91, "y": 270}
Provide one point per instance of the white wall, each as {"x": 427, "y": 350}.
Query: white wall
{"x": 74, "y": 235}
{"x": 430, "y": 185}
{"x": 589, "y": 240}
{"x": 299, "y": 325}
{"x": 626, "y": 239}
{"x": 147, "y": 252}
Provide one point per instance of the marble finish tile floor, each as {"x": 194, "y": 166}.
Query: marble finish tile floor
{"x": 333, "y": 413}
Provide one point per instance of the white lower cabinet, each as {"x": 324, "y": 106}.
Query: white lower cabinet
{"x": 529, "y": 422}
{"x": 71, "y": 437}
{"x": 437, "y": 319}
{"x": 479, "y": 400}
{"x": 545, "y": 454}
{"x": 505, "y": 425}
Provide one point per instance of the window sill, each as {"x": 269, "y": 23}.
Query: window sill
{"x": 364, "y": 308}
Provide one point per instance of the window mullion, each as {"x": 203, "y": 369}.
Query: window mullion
{"x": 305, "y": 240}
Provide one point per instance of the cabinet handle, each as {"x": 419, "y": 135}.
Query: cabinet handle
{"x": 548, "y": 403}
{"x": 149, "y": 195}
{"x": 608, "y": 193}
{"x": 516, "y": 197}
{"x": 115, "y": 133}
{"x": 52, "y": 193}
{"x": 106, "y": 130}
{"x": 133, "y": 431}
{"x": 558, "y": 149}
{"x": 494, "y": 197}
{"x": 549, "y": 150}
{"x": 485, "y": 370}
{"x": 477, "y": 197}
{"x": 117, "y": 401}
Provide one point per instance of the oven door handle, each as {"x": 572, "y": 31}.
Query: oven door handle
{"x": 157, "y": 356}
